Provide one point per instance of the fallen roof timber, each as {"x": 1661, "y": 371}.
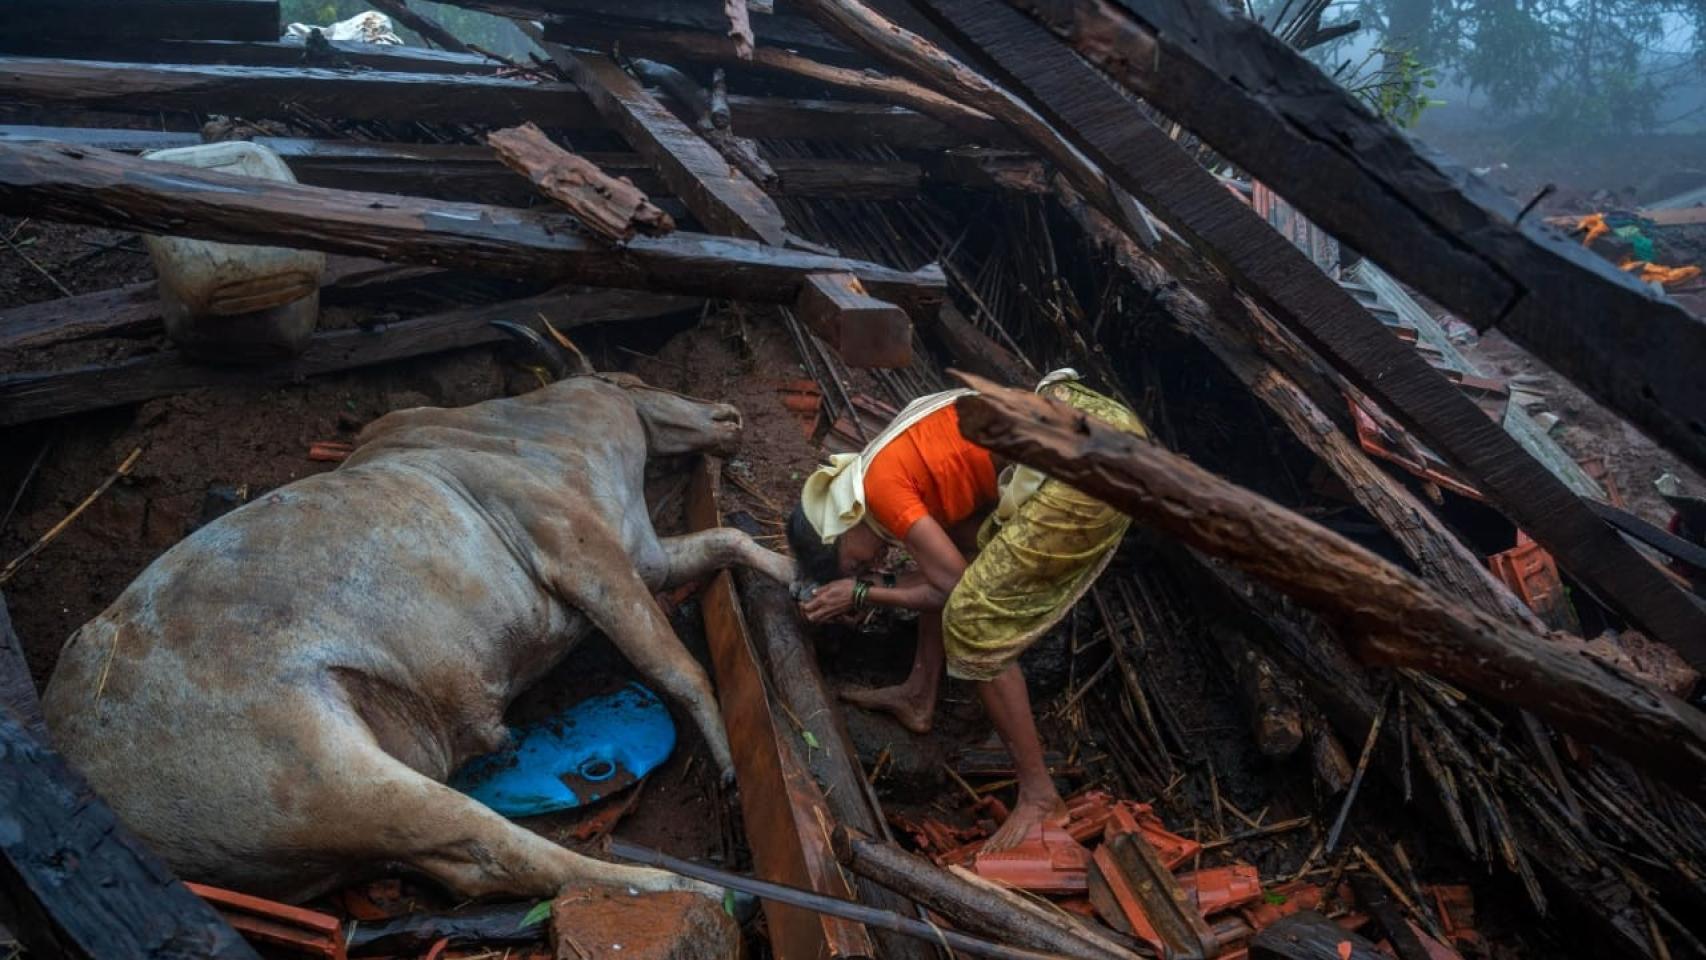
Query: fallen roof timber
{"x": 177, "y": 19}
{"x": 866, "y": 332}
{"x": 769, "y": 29}
{"x": 249, "y": 53}
{"x": 1427, "y": 221}
{"x": 1109, "y": 125}
{"x": 782, "y": 806}
{"x": 39, "y": 396}
{"x": 286, "y": 93}
{"x": 75, "y": 884}
{"x": 467, "y": 172}
{"x": 1392, "y": 617}
{"x": 282, "y": 92}
{"x": 79, "y": 185}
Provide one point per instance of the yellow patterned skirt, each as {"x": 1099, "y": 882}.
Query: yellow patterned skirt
{"x": 1033, "y": 567}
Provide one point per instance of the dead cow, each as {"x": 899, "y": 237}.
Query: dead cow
{"x": 276, "y": 702}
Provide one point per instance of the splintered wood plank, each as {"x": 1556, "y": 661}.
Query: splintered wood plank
{"x": 722, "y": 199}
{"x": 1109, "y": 126}
{"x": 76, "y": 883}
{"x": 787, "y": 823}
{"x": 1389, "y": 616}
{"x": 614, "y": 209}
{"x": 26, "y": 397}
{"x": 284, "y": 93}
{"x": 79, "y": 185}
{"x": 1425, "y": 219}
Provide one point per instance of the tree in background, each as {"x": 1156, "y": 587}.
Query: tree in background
{"x": 1569, "y": 68}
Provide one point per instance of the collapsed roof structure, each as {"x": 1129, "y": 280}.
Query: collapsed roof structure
{"x": 989, "y": 186}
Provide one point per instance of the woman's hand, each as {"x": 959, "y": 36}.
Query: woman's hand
{"x": 830, "y": 601}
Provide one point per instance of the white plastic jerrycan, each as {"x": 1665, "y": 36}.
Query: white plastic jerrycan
{"x": 227, "y": 301}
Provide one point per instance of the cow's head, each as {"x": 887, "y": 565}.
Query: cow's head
{"x": 674, "y": 423}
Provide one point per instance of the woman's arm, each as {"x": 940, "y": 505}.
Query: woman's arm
{"x": 940, "y": 566}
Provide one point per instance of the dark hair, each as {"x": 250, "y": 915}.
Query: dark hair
{"x": 817, "y": 561}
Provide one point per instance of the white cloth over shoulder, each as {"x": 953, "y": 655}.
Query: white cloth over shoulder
{"x": 834, "y": 495}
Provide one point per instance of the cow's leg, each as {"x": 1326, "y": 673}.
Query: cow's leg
{"x": 460, "y": 842}
{"x": 696, "y": 554}
{"x": 621, "y": 605}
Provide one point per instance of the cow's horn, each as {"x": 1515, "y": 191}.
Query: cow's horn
{"x": 553, "y": 357}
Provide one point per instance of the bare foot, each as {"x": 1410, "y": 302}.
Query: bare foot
{"x": 914, "y": 712}
{"x": 1028, "y": 816}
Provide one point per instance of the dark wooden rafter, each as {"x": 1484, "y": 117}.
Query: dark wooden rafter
{"x": 283, "y": 93}
{"x": 97, "y": 20}
{"x": 722, "y": 199}
{"x": 781, "y": 30}
{"x": 279, "y": 92}
{"x": 272, "y": 52}
{"x": 682, "y": 46}
{"x": 1428, "y": 221}
{"x": 1251, "y": 348}
{"x": 17, "y": 690}
{"x": 466, "y": 172}
{"x": 1103, "y": 120}
{"x": 26, "y": 397}
{"x": 781, "y": 804}
{"x": 836, "y": 305}
{"x": 74, "y": 883}
{"x": 1388, "y": 615}
{"x": 105, "y": 189}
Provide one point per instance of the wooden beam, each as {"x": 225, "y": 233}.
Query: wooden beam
{"x": 97, "y": 20}
{"x": 780, "y": 30}
{"x": 17, "y": 689}
{"x": 723, "y": 200}
{"x": 272, "y": 52}
{"x": 614, "y": 209}
{"x": 807, "y": 119}
{"x": 283, "y": 93}
{"x": 867, "y": 332}
{"x": 1426, "y": 220}
{"x": 679, "y": 46}
{"x": 1145, "y": 160}
{"x": 74, "y": 883}
{"x": 134, "y": 310}
{"x": 782, "y": 806}
{"x": 454, "y": 171}
{"x": 1267, "y": 360}
{"x": 799, "y": 686}
{"x": 26, "y": 397}
{"x": 77, "y": 185}
{"x": 864, "y": 330}
{"x": 1388, "y": 615}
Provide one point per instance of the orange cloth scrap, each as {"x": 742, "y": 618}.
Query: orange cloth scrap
{"x": 930, "y": 470}
{"x": 1595, "y": 225}
{"x": 1664, "y": 276}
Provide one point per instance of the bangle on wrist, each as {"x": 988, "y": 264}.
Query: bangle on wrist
{"x": 861, "y": 590}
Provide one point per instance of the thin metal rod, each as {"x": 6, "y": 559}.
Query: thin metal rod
{"x": 795, "y": 897}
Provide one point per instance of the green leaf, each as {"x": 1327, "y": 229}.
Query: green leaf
{"x": 729, "y": 902}
{"x": 811, "y": 739}
{"x": 536, "y": 916}
{"x": 1276, "y": 899}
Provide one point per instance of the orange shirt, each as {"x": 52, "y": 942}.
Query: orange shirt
{"x": 930, "y": 470}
